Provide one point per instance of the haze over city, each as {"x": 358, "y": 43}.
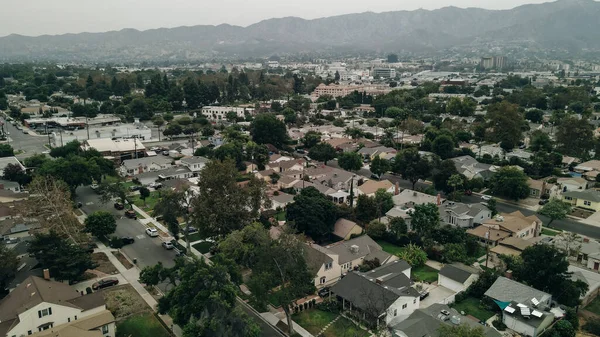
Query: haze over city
{"x": 74, "y": 16}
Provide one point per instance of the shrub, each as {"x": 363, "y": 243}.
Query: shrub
{"x": 499, "y": 325}
{"x": 330, "y": 306}
{"x": 592, "y": 327}
{"x": 115, "y": 242}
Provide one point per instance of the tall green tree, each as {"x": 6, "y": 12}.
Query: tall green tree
{"x": 311, "y": 139}
{"x": 8, "y": 267}
{"x": 510, "y": 182}
{"x": 6, "y": 150}
{"x": 100, "y": 224}
{"x": 312, "y": 213}
{"x": 505, "y": 123}
{"x": 425, "y": 218}
{"x": 267, "y": 129}
{"x": 411, "y": 166}
{"x": 322, "y": 152}
{"x": 244, "y": 246}
{"x": 555, "y": 210}
{"x": 379, "y": 166}
{"x": 442, "y": 173}
{"x": 573, "y": 137}
{"x": 350, "y": 161}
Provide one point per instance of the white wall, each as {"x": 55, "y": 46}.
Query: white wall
{"x": 454, "y": 285}
{"x": 29, "y": 320}
{"x": 331, "y": 275}
{"x": 396, "y": 310}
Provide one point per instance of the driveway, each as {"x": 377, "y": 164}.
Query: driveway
{"x": 437, "y": 294}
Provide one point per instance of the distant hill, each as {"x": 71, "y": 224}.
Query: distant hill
{"x": 571, "y": 25}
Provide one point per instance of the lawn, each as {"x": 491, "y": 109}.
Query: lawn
{"x": 151, "y": 201}
{"x": 549, "y": 232}
{"x": 472, "y": 306}
{"x": 594, "y": 306}
{"x": 203, "y": 247}
{"x": 345, "y": 327}
{"x": 141, "y": 325}
{"x": 280, "y": 216}
{"x": 390, "y": 248}
{"x": 425, "y": 274}
{"x": 314, "y": 320}
{"x": 192, "y": 237}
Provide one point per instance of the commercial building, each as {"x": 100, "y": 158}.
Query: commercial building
{"x": 384, "y": 72}
{"x": 220, "y": 112}
{"x": 117, "y": 150}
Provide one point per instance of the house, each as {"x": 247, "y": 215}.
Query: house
{"x": 331, "y": 177}
{"x": 329, "y": 263}
{"x": 380, "y": 296}
{"x": 39, "y": 304}
{"x": 588, "y": 199}
{"x": 119, "y": 150}
{"x": 369, "y": 153}
{"x": 582, "y": 250}
{"x": 471, "y": 168}
{"x": 281, "y": 200}
{"x": 398, "y": 212}
{"x": 410, "y": 198}
{"x": 592, "y": 165}
{"x": 526, "y": 320}
{"x": 572, "y": 184}
{"x": 286, "y": 165}
{"x": 132, "y": 167}
{"x": 463, "y": 215}
{"x": 8, "y": 185}
{"x": 301, "y": 184}
{"x": 506, "y": 290}
{"x": 286, "y": 181}
{"x": 457, "y": 276}
{"x": 344, "y": 229}
{"x": 371, "y": 186}
{"x": 175, "y": 172}
{"x": 591, "y": 278}
{"x": 265, "y": 175}
{"x": 539, "y": 188}
{"x": 511, "y": 246}
{"x": 514, "y": 224}
{"x": 427, "y": 321}
{"x": 195, "y": 164}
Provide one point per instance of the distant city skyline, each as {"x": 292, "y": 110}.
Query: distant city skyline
{"x": 37, "y": 17}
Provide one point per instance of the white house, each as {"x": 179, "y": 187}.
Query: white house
{"x": 380, "y": 296}
{"x": 572, "y": 184}
{"x": 39, "y": 304}
{"x": 463, "y": 215}
{"x": 195, "y": 164}
{"x": 132, "y": 167}
{"x": 526, "y": 320}
{"x": 457, "y": 276}
{"x": 220, "y": 112}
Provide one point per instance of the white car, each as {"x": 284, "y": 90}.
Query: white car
{"x": 486, "y": 197}
{"x": 152, "y": 232}
{"x": 168, "y": 245}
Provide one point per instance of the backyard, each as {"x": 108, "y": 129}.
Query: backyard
{"x": 203, "y": 247}
{"x": 345, "y": 327}
{"x": 314, "y": 320}
{"x": 390, "y": 248}
{"x": 594, "y": 306}
{"x": 146, "y": 325}
{"x": 473, "y": 306}
{"x": 425, "y": 274}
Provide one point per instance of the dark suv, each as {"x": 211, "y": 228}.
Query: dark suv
{"x": 105, "y": 283}
{"x": 119, "y": 205}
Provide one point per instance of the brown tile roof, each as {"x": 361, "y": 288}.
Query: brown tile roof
{"x": 343, "y": 227}
{"x": 513, "y": 222}
{"x": 495, "y": 234}
{"x": 372, "y": 186}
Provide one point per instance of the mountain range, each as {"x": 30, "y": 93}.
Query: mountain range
{"x": 566, "y": 25}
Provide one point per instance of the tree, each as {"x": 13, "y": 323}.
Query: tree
{"x": 442, "y": 174}
{"x": 100, "y": 224}
{"x": 144, "y": 193}
{"x": 563, "y": 328}
{"x": 222, "y": 205}
{"x": 443, "y": 146}
{"x": 8, "y": 267}
{"x": 555, "y": 210}
{"x": 376, "y": 230}
{"x": 313, "y": 213}
{"x": 384, "y": 201}
{"x": 379, "y": 166}
{"x": 113, "y": 187}
{"x": 244, "y": 246}
{"x": 65, "y": 260}
{"x": 573, "y": 137}
{"x": 350, "y": 161}
{"x": 398, "y": 227}
{"x": 491, "y": 204}
{"x": 6, "y": 150}
{"x": 454, "y": 252}
{"x": 534, "y": 115}
{"x": 460, "y": 330}
{"x": 267, "y": 129}
{"x": 14, "y": 172}
{"x": 510, "y": 182}
{"x": 411, "y": 166}
{"x": 366, "y": 208}
{"x": 311, "y": 139}
{"x": 425, "y": 218}
{"x": 213, "y": 310}
{"x": 505, "y": 123}
{"x": 455, "y": 181}
{"x": 282, "y": 264}
{"x": 174, "y": 204}
{"x": 322, "y": 152}
{"x": 540, "y": 141}
{"x": 414, "y": 255}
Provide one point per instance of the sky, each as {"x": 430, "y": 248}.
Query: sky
{"x": 38, "y": 17}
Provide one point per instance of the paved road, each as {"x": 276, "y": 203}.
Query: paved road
{"x": 148, "y": 251}
{"x": 29, "y": 143}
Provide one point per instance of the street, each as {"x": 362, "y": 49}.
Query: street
{"x": 148, "y": 251}
{"x": 29, "y": 144}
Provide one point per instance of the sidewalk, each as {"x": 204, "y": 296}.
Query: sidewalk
{"x": 148, "y": 219}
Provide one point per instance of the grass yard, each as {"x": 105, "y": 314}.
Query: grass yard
{"x": 345, "y": 327}
{"x": 192, "y": 237}
{"x": 146, "y": 325}
{"x": 390, "y": 248}
{"x": 203, "y": 247}
{"x": 151, "y": 201}
{"x": 314, "y": 320}
{"x": 549, "y": 232}
{"x": 280, "y": 216}
{"x": 472, "y": 306}
{"x": 594, "y": 306}
{"x": 425, "y": 274}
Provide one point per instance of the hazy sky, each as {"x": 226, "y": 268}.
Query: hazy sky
{"x": 37, "y": 17}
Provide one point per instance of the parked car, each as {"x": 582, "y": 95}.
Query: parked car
{"x": 168, "y": 245}
{"x": 119, "y": 206}
{"x": 134, "y": 188}
{"x": 152, "y": 232}
{"x": 105, "y": 283}
{"x": 189, "y": 230}
{"x": 486, "y": 197}
{"x": 324, "y": 292}
{"x": 468, "y": 192}
{"x": 543, "y": 201}
{"x": 131, "y": 214}
{"x": 127, "y": 240}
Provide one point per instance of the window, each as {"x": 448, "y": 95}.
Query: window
{"x": 568, "y": 198}
{"x": 587, "y": 203}
{"x": 105, "y": 329}
{"x": 395, "y": 312}
{"x": 415, "y": 301}
{"x": 75, "y": 317}
{"x": 328, "y": 266}
{"x": 322, "y": 281}
{"x": 404, "y": 306}
{"x": 44, "y": 312}
{"x": 68, "y": 319}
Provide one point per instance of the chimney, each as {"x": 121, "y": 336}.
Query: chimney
{"x": 439, "y": 199}
{"x": 586, "y": 240}
{"x": 414, "y": 193}
{"x": 47, "y": 274}
{"x": 508, "y": 274}
{"x": 397, "y": 189}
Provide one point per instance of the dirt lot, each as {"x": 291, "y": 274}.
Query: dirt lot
{"x": 124, "y": 301}
{"x": 123, "y": 260}
{"x": 581, "y": 213}
{"x": 104, "y": 264}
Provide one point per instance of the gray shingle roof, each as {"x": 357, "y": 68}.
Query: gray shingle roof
{"x": 366, "y": 247}
{"x": 364, "y": 294}
{"x": 507, "y": 290}
{"x": 590, "y": 195}
{"x": 457, "y": 272}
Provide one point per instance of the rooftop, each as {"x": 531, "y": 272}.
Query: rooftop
{"x": 372, "y": 186}
{"x": 360, "y": 247}
{"x": 458, "y": 272}
{"x": 507, "y": 290}
{"x": 589, "y": 195}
